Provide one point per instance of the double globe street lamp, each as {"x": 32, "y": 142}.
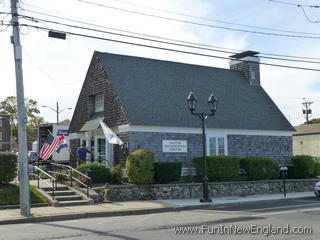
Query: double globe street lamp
{"x": 212, "y": 102}
{"x": 57, "y": 110}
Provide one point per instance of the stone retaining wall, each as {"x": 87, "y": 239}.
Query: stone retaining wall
{"x": 194, "y": 190}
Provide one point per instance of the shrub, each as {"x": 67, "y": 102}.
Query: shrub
{"x": 140, "y": 167}
{"x": 166, "y": 172}
{"x": 116, "y": 174}
{"x": 223, "y": 168}
{"x": 61, "y": 177}
{"x": 302, "y": 166}
{"x": 316, "y": 170}
{"x": 260, "y": 168}
{"x": 98, "y": 172}
{"x": 8, "y": 167}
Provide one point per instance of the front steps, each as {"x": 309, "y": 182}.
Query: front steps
{"x": 65, "y": 196}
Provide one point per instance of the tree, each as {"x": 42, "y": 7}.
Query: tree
{"x": 9, "y": 106}
{"x": 66, "y": 121}
{"x": 312, "y": 121}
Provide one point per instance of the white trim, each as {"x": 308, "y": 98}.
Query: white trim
{"x": 211, "y": 131}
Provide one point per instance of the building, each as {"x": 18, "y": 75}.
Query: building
{"x": 306, "y": 140}
{"x": 5, "y": 132}
{"x": 144, "y": 102}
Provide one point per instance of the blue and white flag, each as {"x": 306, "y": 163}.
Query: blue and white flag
{"x": 111, "y": 137}
{"x": 63, "y": 145}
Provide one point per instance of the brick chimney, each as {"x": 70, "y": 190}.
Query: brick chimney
{"x": 247, "y": 63}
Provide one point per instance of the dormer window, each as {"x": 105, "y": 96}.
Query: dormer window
{"x": 99, "y": 103}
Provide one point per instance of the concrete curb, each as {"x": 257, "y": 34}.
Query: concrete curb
{"x": 72, "y": 216}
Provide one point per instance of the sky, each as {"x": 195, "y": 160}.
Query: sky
{"x": 54, "y": 69}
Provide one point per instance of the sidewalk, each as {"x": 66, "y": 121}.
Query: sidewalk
{"x": 41, "y": 214}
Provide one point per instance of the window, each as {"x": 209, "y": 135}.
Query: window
{"x": 99, "y": 103}
{"x": 217, "y": 146}
{"x": 101, "y": 149}
{"x": 0, "y": 136}
{"x": 0, "y": 122}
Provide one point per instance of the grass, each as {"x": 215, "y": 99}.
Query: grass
{"x": 9, "y": 195}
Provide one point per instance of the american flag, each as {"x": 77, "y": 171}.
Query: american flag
{"x": 50, "y": 145}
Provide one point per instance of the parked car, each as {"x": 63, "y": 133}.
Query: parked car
{"x": 317, "y": 189}
{"x": 32, "y": 156}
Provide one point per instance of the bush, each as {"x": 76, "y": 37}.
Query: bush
{"x": 140, "y": 167}
{"x": 223, "y": 168}
{"x": 8, "y": 167}
{"x": 98, "y": 172}
{"x": 166, "y": 172}
{"x": 316, "y": 170}
{"x": 116, "y": 174}
{"x": 260, "y": 168}
{"x": 302, "y": 166}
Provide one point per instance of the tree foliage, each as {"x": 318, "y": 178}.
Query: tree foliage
{"x": 9, "y": 106}
{"x": 312, "y": 121}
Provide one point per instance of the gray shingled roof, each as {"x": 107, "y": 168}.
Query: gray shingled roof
{"x": 154, "y": 92}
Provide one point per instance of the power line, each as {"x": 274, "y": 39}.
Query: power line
{"x": 201, "y": 24}
{"x": 163, "y": 48}
{"x": 210, "y": 19}
{"x": 306, "y": 16}
{"x": 157, "y": 41}
{"x": 295, "y": 4}
{"x": 227, "y": 50}
{"x": 45, "y": 73}
{"x": 302, "y": 6}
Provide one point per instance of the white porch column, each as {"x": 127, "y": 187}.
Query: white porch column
{"x": 88, "y": 136}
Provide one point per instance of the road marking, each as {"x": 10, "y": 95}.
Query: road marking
{"x": 263, "y": 209}
{"x": 290, "y": 211}
{"x": 272, "y": 208}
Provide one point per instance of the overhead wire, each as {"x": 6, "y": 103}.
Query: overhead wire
{"x": 163, "y": 48}
{"x": 306, "y": 16}
{"x": 160, "y": 41}
{"x": 302, "y": 6}
{"x": 202, "y": 24}
{"x": 210, "y": 19}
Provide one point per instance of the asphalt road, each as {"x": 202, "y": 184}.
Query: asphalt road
{"x": 282, "y": 219}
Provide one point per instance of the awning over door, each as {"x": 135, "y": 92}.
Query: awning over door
{"x": 91, "y": 125}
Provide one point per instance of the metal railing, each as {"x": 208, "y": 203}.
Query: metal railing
{"x": 52, "y": 185}
{"x": 85, "y": 183}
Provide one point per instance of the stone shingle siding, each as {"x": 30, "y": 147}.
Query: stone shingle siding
{"x": 96, "y": 83}
{"x": 153, "y": 141}
{"x": 278, "y": 148}
{"x": 74, "y": 145}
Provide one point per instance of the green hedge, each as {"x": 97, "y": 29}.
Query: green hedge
{"x": 316, "y": 170}
{"x": 302, "y": 167}
{"x": 98, "y": 172}
{"x": 166, "y": 172}
{"x": 116, "y": 174}
{"x": 220, "y": 168}
{"x": 260, "y": 168}
{"x": 140, "y": 167}
{"x": 8, "y": 167}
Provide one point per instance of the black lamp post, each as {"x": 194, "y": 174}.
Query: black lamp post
{"x": 284, "y": 174}
{"x": 192, "y": 102}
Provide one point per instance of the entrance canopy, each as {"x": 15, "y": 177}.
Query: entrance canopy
{"x": 91, "y": 125}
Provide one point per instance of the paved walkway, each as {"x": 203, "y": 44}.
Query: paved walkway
{"x": 40, "y": 214}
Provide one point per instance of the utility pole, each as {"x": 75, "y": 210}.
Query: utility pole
{"x": 307, "y": 111}
{"x": 22, "y": 118}
{"x": 57, "y": 112}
